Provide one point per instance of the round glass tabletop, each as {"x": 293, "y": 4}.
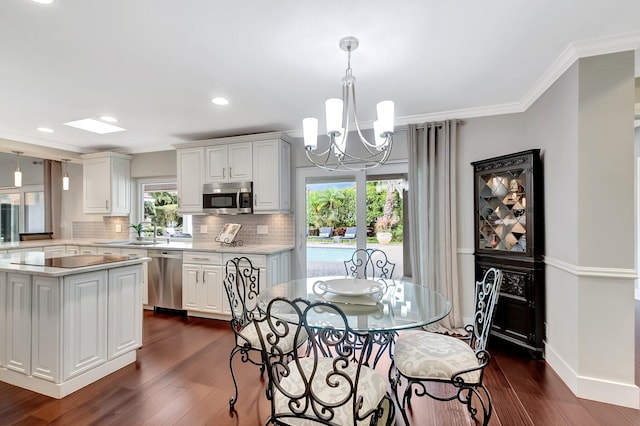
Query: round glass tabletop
{"x": 369, "y": 305}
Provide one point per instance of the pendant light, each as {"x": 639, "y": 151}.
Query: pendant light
{"x": 17, "y": 175}
{"x": 65, "y": 178}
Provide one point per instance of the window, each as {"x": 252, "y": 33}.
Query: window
{"x": 159, "y": 205}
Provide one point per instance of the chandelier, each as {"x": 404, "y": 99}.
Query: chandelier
{"x": 341, "y": 154}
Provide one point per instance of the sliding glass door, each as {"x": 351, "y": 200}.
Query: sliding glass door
{"x": 344, "y": 211}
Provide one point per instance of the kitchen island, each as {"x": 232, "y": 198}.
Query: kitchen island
{"x": 67, "y": 321}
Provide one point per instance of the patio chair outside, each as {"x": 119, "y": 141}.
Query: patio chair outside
{"x": 350, "y": 233}
{"x": 325, "y": 232}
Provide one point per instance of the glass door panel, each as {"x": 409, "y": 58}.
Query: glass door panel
{"x": 9, "y": 217}
{"x": 34, "y": 212}
{"x": 331, "y": 219}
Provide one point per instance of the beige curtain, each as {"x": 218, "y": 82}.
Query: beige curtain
{"x": 432, "y": 213}
{"x": 52, "y": 196}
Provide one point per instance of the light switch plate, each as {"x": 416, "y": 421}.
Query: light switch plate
{"x": 203, "y": 229}
{"x": 263, "y": 229}
{"x": 118, "y": 228}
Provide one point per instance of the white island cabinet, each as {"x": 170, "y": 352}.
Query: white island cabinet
{"x": 64, "y": 328}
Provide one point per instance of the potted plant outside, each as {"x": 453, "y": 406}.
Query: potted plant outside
{"x": 383, "y": 226}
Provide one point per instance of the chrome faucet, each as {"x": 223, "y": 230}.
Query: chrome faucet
{"x": 155, "y": 231}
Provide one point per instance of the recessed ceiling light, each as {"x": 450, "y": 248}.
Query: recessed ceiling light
{"x": 45, "y": 130}
{"x": 95, "y": 126}
{"x": 108, "y": 119}
{"x": 220, "y": 101}
{"x": 43, "y": 1}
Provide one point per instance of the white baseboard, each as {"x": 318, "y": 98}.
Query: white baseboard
{"x": 624, "y": 394}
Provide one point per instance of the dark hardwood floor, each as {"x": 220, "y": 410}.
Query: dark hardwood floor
{"x": 182, "y": 377}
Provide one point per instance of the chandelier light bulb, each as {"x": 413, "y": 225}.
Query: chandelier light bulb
{"x": 333, "y": 109}
{"x": 310, "y": 132}
{"x": 385, "y": 116}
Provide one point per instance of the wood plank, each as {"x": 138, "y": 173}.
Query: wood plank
{"x": 182, "y": 377}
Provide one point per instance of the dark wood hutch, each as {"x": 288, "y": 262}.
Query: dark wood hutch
{"x": 509, "y": 235}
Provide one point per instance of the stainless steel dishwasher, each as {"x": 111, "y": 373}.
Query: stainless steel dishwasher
{"x": 165, "y": 279}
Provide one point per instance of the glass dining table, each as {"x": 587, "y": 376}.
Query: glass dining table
{"x": 380, "y": 307}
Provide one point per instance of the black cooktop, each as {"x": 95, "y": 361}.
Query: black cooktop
{"x": 76, "y": 261}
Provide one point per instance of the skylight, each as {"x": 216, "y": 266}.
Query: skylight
{"x": 95, "y": 126}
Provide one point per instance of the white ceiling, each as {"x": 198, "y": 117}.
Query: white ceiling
{"x": 155, "y": 64}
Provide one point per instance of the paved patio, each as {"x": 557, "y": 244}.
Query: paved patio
{"x": 331, "y": 267}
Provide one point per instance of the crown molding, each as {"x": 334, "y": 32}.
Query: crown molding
{"x": 575, "y": 51}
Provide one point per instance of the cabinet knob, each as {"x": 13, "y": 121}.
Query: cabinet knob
{"x": 230, "y": 172}
{"x": 223, "y": 169}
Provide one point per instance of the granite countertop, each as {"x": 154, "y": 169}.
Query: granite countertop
{"x": 161, "y": 244}
{"x": 7, "y": 264}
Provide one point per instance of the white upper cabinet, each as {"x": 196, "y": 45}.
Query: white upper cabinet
{"x": 264, "y": 159}
{"x": 107, "y": 183}
{"x": 190, "y": 179}
{"x": 272, "y": 176}
{"x": 229, "y": 163}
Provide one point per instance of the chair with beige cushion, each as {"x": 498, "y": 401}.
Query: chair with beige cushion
{"x": 242, "y": 285}
{"x": 420, "y": 357}
{"x": 329, "y": 384}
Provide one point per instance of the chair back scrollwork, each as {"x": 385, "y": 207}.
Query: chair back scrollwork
{"x": 486, "y": 296}
{"x": 328, "y": 383}
{"x": 242, "y": 285}
{"x": 369, "y": 264}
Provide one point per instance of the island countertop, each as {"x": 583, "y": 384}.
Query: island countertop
{"x": 27, "y": 262}
{"x": 160, "y": 244}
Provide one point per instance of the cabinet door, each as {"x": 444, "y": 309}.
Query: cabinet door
{"x": 273, "y": 271}
{"x": 190, "y": 169}
{"x": 46, "y": 326}
{"x": 138, "y": 253}
{"x": 266, "y": 173}
{"x": 212, "y": 291}
{"x": 96, "y": 184}
{"x": 88, "y": 250}
{"x": 85, "y": 322}
{"x": 190, "y": 284}
{"x": 18, "y": 323}
{"x": 216, "y": 164}
{"x": 120, "y": 186}
{"x": 285, "y": 266}
{"x": 3, "y": 318}
{"x": 240, "y": 162}
{"x": 124, "y": 318}
{"x": 110, "y": 251}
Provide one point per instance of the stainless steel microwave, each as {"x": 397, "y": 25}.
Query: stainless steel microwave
{"x": 227, "y": 198}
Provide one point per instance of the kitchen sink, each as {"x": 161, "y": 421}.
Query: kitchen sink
{"x": 141, "y": 243}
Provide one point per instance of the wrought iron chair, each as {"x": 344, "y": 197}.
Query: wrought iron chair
{"x": 421, "y": 357}
{"x": 369, "y": 264}
{"x": 242, "y": 285}
{"x": 329, "y": 384}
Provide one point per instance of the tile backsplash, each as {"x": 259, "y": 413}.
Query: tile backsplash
{"x": 279, "y": 228}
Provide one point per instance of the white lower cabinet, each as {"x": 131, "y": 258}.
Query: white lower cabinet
{"x": 54, "y": 329}
{"x": 85, "y": 320}
{"x": 138, "y": 253}
{"x": 45, "y": 328}
{"x": 125, "y": 310}
{"x": 202, "y": 289}
{"x": 18, "y": 323}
